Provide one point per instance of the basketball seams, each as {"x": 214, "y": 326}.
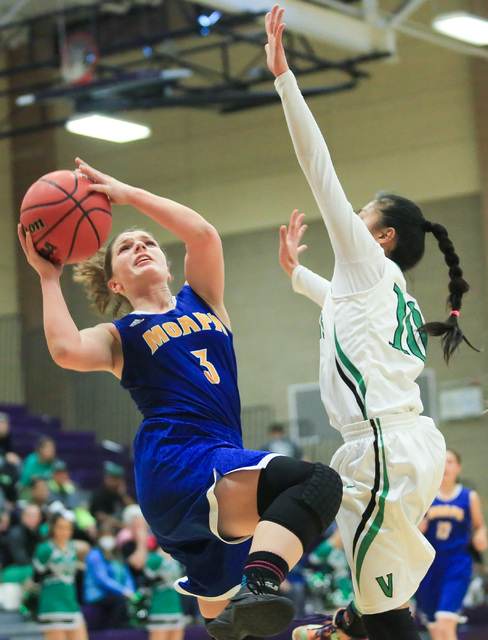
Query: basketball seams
{"x": 60, "y": 188}
{"x": 77, "y": 205}
{"x": 86, "y": 217}
{"x": 65, "y": 230}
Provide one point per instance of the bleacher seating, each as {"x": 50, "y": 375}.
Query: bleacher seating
{"x": 79, "y": 449}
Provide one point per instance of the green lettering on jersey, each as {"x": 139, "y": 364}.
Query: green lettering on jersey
{"x": 409, "y": 322}
{"x": 386, "y": 587}
{"x": 321, "y": 325}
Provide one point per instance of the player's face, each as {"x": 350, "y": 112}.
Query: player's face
{"x": 135, "y": 253}
{"x": 371, "y": 218}
{"x": 452, "y": 468}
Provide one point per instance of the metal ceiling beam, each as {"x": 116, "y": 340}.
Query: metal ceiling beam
{"x": 178, "y": 76}
{"x": 371, "y": 11}
{"x": 401, "y": 14}
{"x": 420, "y": 32}
{"x": 13, "y": 11}
{"x": 319, "y": 24}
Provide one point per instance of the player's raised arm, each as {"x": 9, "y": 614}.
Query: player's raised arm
{"x": 204, "y": 263}
{"x": 303, "y": 280}
{"x": 349, "y": 238}
{"x": 87, "y": 350}
{"x": 275, "y": 53}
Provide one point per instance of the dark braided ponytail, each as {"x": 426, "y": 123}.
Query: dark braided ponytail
{"x": 410, "y": 225}
{"x": 450, "y": 332}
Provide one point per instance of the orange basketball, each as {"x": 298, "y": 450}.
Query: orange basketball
{"x": 67, "y": 221}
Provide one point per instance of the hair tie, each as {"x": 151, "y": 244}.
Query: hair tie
{"x": 454, "y": 313}
{"x": 427, "y": 226}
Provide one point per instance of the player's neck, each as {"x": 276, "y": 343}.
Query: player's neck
{"x": 448, "y": 489}
{"x": 157, "y": 300}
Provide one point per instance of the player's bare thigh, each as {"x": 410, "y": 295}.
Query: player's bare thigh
{"x": 236, "y": 495}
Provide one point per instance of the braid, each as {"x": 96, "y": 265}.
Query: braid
{"x": 450, "y": 332}
{"x": 94, "y": 275}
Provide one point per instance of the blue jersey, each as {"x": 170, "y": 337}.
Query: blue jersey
{"x": 442, "y": 591}
{"x": 180, "y": 370}
{"x": 449, "y": 527}
{"x": 181, "y": 364}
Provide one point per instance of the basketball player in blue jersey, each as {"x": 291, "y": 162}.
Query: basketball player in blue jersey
{"x": 229, "y": 515}
{"x": 454, "y": 519}
{"x": 372, "y": 348}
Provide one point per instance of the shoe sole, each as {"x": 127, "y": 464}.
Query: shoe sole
{"x": 308, "y": 633}
{"x": 262, "y": 618}
{"x": 302, "y": 633}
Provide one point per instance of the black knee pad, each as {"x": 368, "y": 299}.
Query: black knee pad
{"x": 323, "y": 493}
{"x": 303, "y": 497}
{"x": 280, "y": 474}
{"x": 397, "y": 624}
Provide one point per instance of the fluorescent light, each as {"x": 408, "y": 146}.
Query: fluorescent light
{"x": 26, "y": 99}
{"x": 105, "y": 128}
{"x": 463, "y": 26}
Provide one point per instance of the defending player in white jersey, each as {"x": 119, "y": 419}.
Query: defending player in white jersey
{"x": 372, "y": 348}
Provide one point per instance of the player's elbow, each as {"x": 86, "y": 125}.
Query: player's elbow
{"x": 205, "y": 235}
{"x": 63, "y": 355}
{"x": 207, "y": 231}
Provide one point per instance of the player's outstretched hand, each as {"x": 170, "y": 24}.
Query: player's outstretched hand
{"x": 117, "y": 191}
{"x": 290, "y": 238}
{"x": 275, "y": 53}
{"x": 44, "y": 267}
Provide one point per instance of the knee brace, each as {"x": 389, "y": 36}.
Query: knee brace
{"x": 301, "y": 496}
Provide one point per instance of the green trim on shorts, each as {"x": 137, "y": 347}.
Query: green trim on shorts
{"x": 378, "y": 521}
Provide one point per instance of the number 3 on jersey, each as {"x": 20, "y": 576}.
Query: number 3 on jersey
{"x": 210, "y": 371}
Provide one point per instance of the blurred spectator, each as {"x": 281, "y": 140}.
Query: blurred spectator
{"x": 109, "y": 501}
{"x": 279, "y": 443}
{"x": 4, "y": 512}
{"x": 9, "y": 477}
{"x": 39, "y": 494}
{"x": 330, "y": 579}
{"x": 4, "y": 525}
{"x": 61, "y": 488}
{"x": 55, "y": 565}
{"x": 166, "y": 620}
{"x": 6, "y": 450}
{"x": 40, "y": 462}
{"x": 64, "y": 492}
{"x": 10, "y": 463}
{"x": 23, "y": 538}
{"x": 132, "y": 540}
{"x": 108, "y": 584}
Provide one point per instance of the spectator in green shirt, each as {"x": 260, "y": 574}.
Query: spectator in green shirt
{"x": 40, "y": 462}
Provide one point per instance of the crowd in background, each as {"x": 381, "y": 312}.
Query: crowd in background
{"x": 119, "y": 576}
{"x": 76, "y": 551}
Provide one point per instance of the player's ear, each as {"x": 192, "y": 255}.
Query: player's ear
{"x": 114, "y": 286}
{"x": 386, "y": 237}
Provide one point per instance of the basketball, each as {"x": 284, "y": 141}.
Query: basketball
{"x": 67, "y": 221}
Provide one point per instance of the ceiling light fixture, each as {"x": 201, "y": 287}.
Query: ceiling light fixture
{"x": 463, "y": 26}
{"x": 107, "y": 128}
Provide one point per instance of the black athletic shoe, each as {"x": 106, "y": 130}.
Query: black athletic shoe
{"x": 252, "y": 612}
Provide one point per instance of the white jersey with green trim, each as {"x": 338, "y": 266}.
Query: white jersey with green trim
{"x": 370, "y": 349}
